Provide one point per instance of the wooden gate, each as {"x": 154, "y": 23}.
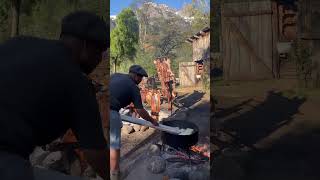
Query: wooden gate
{"x": 248, "y": 40}
{"x": 187, "y": 73}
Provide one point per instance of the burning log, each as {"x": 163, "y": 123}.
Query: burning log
{"x": 202, "y": 149}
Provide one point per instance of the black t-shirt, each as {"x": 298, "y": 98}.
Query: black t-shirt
{"x": 123, "y": 91}
{"x": 42, "y": 94}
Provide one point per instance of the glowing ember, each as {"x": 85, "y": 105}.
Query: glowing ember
{"x": 202, "y": 149}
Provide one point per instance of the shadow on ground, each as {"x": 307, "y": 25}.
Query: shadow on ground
{"x": 263, "y": 119}
{"x": 189, "y": 99}
{"x": 292, "y": 156}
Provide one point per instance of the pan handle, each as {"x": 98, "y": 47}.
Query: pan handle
{"x": 161, "y": 127}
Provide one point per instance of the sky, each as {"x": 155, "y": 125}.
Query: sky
{"x": 117, "y": 5}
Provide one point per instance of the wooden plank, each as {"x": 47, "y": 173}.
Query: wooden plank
{"x": 265, "y": 42}
{"x": 275, "y": 31}
{"x": 233, "y": 55}
{"x": 224, "y": 42}
{"x": 244, "y": 54}
{"x": 258, "y": 45}
{"x": 186, "y": 73}
{"x": 237, "y": 49}
{"x": 246, "y": 44}
{"x": 266, "y": 34}
{"x": 228, "y": 50}
{"x": 243, "y": 41}
{"x": 254, "y": 38}
{"x": 234, "y": 46}
{"x": 310, "y": 36}
{"x": 251, "y": 13}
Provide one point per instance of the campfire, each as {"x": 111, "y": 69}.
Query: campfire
{"x": 183, "y": 163}
{"x": 195, "y": 155}
{"x": 202, "y": 149}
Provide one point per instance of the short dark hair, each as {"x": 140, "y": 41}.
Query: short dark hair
{"x": 86, "y": 25}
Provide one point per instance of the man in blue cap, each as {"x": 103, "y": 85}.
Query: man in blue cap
{"x": 123, "y": 91}
{"x": 45, "y": 91}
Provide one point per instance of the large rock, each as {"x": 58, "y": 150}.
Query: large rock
{"x": 37, "y": 156}
{"x": 127, "y": 129}
{"x": 75, "y": 168}
{"x": 144, "y": 128}
{"x": 53, "y": 160}
{"x": 156, "y": 165}
{"x": 154, "y": 150}
{"x": 89, "y": 172}
{"x": 136, "y": 127}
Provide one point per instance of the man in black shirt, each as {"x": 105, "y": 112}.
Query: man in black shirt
{"x": 123, "y": 91}
{"x": 45, "y": 91}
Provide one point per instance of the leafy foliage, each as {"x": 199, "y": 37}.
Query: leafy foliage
{"x": 301, "y": 55}
{"x": 4, "y": 19}
{"x": 42, "y": 18}
{"x": 164, "y": 34}
{"x": 124, "y": 37}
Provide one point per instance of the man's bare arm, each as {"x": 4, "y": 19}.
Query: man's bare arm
{"x": 145, "y": 115}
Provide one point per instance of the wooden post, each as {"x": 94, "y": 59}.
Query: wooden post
{"x": 15, "y": 9}
{"x": 275, "y": 31}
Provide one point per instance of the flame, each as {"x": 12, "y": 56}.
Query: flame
{"x": 202, "y": 149}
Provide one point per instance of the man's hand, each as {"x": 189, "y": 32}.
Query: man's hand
{"x": 145, "y": 115}
{"x": 155, "y": 122}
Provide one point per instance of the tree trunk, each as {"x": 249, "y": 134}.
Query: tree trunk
{"x": 140, "y": 34}
{"x": 145, "y": 33}
{"x": 115, "y": 65}
{"x": 15, "y": 8}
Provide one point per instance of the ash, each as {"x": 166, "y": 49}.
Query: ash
{"x": 184, "y": 164}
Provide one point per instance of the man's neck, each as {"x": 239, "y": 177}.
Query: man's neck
{"x": 132, "y": 78}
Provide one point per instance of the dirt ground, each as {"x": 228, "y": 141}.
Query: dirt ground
{"x": 281, "y": 126}
{"x": 186, "y": 98}
{"x": 198, "y": 106}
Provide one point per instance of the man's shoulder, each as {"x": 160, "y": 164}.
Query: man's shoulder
{"x": 23, "y": 40}
{"x": 119, "y": 76}
{"x": 33, "y": 45}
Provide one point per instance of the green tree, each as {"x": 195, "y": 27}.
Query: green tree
{"x": 301, "y": 55}
{"x": 200, "y": 11}
{"x": 15, "y": 16}
{"x": 124, "y": 38}
{"x": 4, "y": 19}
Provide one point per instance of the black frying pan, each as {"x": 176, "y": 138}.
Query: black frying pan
{"x": 180, "y": 141}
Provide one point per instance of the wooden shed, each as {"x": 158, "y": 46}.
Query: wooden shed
{"x": 200, "y": 49}
{"x": 254, "y": 35}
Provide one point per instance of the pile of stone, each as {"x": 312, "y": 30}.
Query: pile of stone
{"x": 157, "y": 163}
{"x": 58, "y": 161}
{"x": 129, "y": 128}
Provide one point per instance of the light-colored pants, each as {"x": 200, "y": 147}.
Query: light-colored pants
{"x": 115, "y": 130}
{"x": 14, "y": 167}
